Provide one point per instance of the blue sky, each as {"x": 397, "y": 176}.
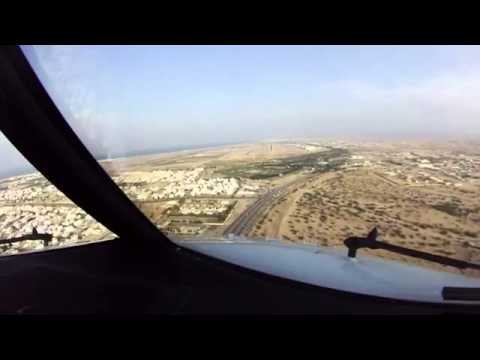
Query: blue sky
{"x": 127, "y": 98}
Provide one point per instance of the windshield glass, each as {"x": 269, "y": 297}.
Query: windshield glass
{"x": 301, "y": 144}
{"x": 34, "y": 214}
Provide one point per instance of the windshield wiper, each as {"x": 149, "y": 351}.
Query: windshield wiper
{"x": 46, "y": 238}
{"x": 370, "y": 241}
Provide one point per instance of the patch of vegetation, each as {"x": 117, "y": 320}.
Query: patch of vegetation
{"x": 451, "y": 208}
{"x": 277, "y": 167}
{"x": 470, "y": 234}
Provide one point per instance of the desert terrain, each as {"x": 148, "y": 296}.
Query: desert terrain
{"x": 421, "y": 195}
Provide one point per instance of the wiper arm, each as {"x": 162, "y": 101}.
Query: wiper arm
{"x": 370, "y": 241}
{"x": 46, "y": 238}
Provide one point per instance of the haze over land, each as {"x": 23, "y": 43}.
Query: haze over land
{"x": 123, "y": 99}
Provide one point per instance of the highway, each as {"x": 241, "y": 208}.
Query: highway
{"x": 248, "y": 218}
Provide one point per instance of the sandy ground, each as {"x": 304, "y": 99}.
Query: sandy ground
{"x": 201, "y": 157}
{"x": 335, "y": 206}
{"x": 276, "y": 220}
{"x": 260, "y": 152}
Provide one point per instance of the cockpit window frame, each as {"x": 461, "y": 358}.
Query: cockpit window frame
{"x": 34, "y": 125}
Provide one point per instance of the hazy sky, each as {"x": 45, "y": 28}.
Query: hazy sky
{"x": 128, "y": 98}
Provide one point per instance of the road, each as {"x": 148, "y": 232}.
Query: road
{"x": 248, "y": 218}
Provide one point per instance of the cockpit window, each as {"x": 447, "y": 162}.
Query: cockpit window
{"x": 300, "y": 144}
{"x": 34, "y": 214}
